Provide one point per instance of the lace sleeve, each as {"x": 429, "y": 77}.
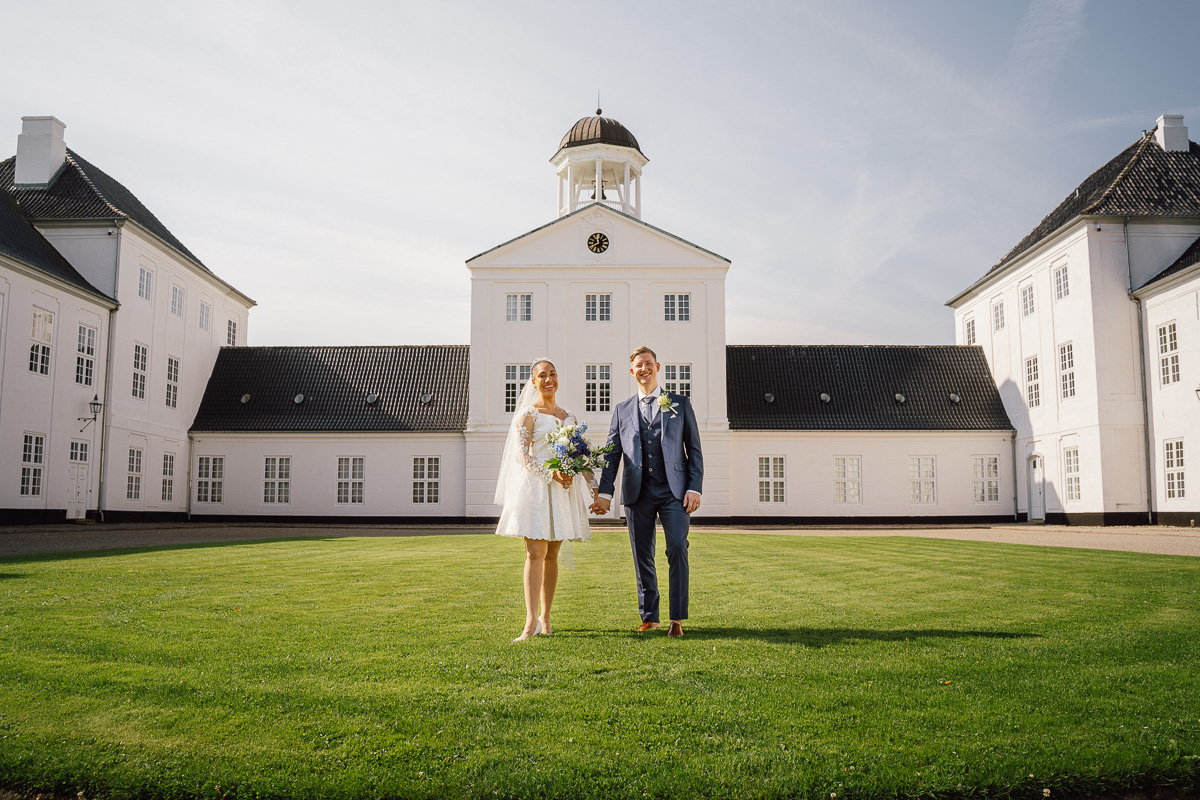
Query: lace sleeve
{"x": 525, "y": 442}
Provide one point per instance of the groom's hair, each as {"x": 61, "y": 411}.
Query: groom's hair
{"x": 639, "y": 351}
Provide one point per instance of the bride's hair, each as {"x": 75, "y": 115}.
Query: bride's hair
{"x": 533, "y": 365}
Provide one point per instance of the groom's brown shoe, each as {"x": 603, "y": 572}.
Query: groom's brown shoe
{"x": 645, "y": 626}
{"x": 675, "y": 630}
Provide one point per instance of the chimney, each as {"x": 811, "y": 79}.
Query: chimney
{"x": 1172, "y": 134}
{"x": 41, "y": 151}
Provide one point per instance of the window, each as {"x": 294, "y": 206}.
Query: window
{"x": 133, "y": 481}
{"x": 986, "y": 479}
{"x": 168, "y": 483}
{"x": 597, "y": 308}
{"x": 177, "y": 301}
{"x": 1061, "y": 287}
{"x": 277, "y": 479}
{"x": 518, "y": 307}
{"x": 998, "y": 316}
{"x": 770, "y": 479}
{"x": 677, "y": 307}
{"x": 970, "y": 330}
{"x": 847, "y": 479}
{"x": 1027, "y": 300}
{"x": 205, "y": 316}
{"x": 597, "y": 387}
{"x": 922, "y": 479}
{"x": 1033, "y": 395}
{"x": 1071, "y": 471}
{"x": 231, "y": 333}
{"x": 350, "y": 479}
{"x": 677, "y": 378}
{"x": 79, "y": 452}
{"x": 145, "y": 283}
{"x": 210, "y": 479}
{"x": 1066, "y": 369}
{"x": 33, "y": 456}
{"x": 1168, "y": 353}
{"x": 515, "y": 378}
{"x": 1173, "y": 461}
{"x": 41, "y": 340}
{"x": 85, "y": 356}
{"x": 140, "y": 355}
{"x": 172, "y": 382}
{"x": 426, "y": 477}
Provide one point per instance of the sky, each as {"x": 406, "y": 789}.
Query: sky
{"x": 859, "y": 163}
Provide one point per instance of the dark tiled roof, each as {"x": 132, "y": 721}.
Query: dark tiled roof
{"x": 82, "y": 191}
{"x": 861, "y": 382}
{"x": 336, "y": 383}
{"x": 21, "y": 241}
{"x": 599, "y": 130}
{"x": 1143, "y": 181}
{"x": 1190, "y": 258}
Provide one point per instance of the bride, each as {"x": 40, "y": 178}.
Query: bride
{"x": 543, "y": 507}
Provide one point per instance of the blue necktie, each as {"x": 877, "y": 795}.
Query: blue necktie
{"x": 647, "y": 411}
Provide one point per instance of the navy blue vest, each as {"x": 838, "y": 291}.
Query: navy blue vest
{"x": 654, "y": 467}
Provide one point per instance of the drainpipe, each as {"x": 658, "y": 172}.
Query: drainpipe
{"x": 1016, "y": 496}
{"x": 1145, "y": 393}
{"x": 188, "y": 482}
{"x": 108, "y": 376}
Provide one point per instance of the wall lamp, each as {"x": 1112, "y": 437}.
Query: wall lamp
{"x": 95, "y": 406}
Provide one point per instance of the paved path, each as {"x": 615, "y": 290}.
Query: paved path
{"x": 16, "y": 541}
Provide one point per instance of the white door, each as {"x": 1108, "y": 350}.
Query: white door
{"x": 1037, "y": 488}
{"x": 77, "y": 492}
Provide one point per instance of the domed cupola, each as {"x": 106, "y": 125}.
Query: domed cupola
{"x": 601, "y": 157}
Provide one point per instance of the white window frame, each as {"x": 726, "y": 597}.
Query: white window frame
{"x": 597, "y": 387}
{"x": 41, "y": 338}
{"x": 205, "y": 317}
{"x": 133, "y": 478}
{"x": 847, "y": 480}
{"x": 677, "y": 307}
{"x": 172, "y": 398}
{"x": 168, "y": 478}
{"x": 1071, "y": 478}
{"x": 78, "y": 452}
{"x": 772, "y": 479}
{"x": 597, "y": 307}
{"x": 427, "y": 480}
{"x": 210, "y": 479}
{"x": 998, "y": 315}
{"x": 33, "y": 464}
{"x": 922, "y": 480}
{"x": 141, "y": 357}
{"x": 1066, "y": 370}
{"x": 518, "y": 307}
{"x": 178, "y": 297}
{"x": 985, "y": 478}
{"x": 1168, "y": 353}
{"x": 1173, "y": 473}
{"x": 85, "y": 355}
{"x": 231, "y": 333}
{"x": 677, "y": 378}
{"x": 969, "y": 330}
{"x": 1033, "y": 389}
{"x": 1028, "y": 301}
{"x": 277, "y": 480}
{"x": 351, "y": 480}
{"x": 515, "y": 378}
{"x": 146, "y": 284}
{"x": 1062, "y": 285}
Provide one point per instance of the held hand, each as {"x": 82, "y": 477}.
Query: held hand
{"x": 564, "y": 480}
{"x": 691, "y": 501}
{"x": 600, "y": 506}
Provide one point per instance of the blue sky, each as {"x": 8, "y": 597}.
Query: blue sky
{"x": 859, "y": 162}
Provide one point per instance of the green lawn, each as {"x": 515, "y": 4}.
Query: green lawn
{"x": 811, "y": 667}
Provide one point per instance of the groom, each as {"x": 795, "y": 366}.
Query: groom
{"x": 654, "y": 435}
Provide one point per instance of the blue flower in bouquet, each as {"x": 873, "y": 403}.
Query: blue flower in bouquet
{"x": 573, "y": 453}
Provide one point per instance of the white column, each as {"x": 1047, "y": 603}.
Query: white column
{"x": 558, "y": 212}
{"x": 625, "y": 190}
{"x": 599, "y": 179}
{"x": 638, "y": 213}
{"x": 574, "y": 195}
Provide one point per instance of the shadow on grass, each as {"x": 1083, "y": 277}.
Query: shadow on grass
{"x": 810, "y": 637}
{"x": 8, "y": 575}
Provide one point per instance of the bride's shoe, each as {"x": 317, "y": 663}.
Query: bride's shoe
{"x": 546, "y": 629}
{"x": 536, "y": 631}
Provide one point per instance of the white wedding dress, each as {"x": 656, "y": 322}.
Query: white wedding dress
{"x": 535, "y": 507}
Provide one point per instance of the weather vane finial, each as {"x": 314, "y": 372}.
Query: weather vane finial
{"x": 598, "y": 109}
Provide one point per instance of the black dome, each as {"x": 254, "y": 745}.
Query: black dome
{"x": 602, "y": 130}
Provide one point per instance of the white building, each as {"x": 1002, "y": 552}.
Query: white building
{"x": 791, "y": 433}
{"x": 130, "y": 300}
{"x": 1090, "y": 328}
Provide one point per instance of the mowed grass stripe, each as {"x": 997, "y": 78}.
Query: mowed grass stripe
{"x": 374, "y": 667}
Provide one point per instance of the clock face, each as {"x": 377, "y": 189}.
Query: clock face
{"x": 597, "y": 243}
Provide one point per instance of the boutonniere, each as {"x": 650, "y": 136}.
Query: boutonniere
{"x": 667, "y": 404}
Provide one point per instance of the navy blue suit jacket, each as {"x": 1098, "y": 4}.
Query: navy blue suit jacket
{"x": 681, "y": 450}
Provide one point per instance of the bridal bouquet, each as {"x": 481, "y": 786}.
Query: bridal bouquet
{"x": 573, "y": 453}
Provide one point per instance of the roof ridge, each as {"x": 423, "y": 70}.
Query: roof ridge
{"x": 70, "y": 158}
{"x": 1134, "y": 159}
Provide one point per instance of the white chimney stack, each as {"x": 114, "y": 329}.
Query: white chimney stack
{"x": 40, "y": 150}
{"x": 1171, "y": 133}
